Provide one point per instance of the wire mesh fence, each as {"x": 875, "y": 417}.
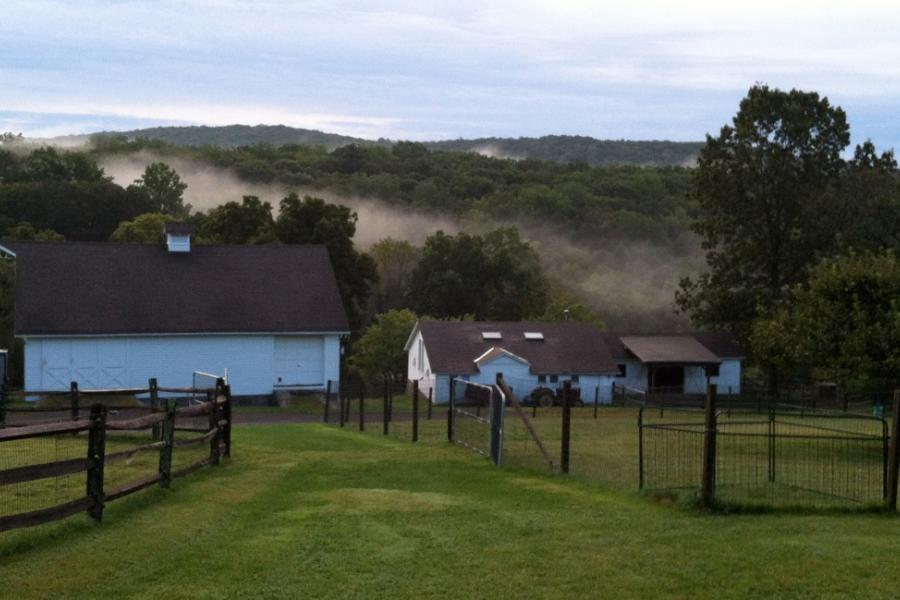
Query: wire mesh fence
{"x": 785, "y": 456}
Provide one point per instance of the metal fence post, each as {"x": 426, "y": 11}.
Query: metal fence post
{"x": 708, "y": 480}
{"x": 327, "y": 399}
{"x": 450, "y": 404}
{"x": 771, "y": 443}
{"x": 362, "y": 406}
{"x": 384, "y": 410}
{"x": 168, "y": 439}
{"x": 640, "y": 447}
{"x": 566, "y": 427}
{"x": 74, "y": 399}
{"x": 415, "y": 411}
{"x": 894, "y": 454}
{"x": 96, "y": 455}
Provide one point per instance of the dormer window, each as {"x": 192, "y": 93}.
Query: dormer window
{"x": 491, "y": 335}
{"x": 534, "y": 336}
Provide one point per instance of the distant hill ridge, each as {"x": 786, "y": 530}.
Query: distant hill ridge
{"x": 558, "y": 148}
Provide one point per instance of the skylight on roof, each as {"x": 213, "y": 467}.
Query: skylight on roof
{"x": 534, "y": 335}
{"x": 491, "y": 335}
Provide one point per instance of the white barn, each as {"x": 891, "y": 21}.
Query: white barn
{"x": 114, "y": 315}
{"x": 529, "y": 354}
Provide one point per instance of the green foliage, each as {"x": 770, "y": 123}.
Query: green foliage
{"x": 27, "y": 232}
{"x": 395, "y": 261}
{"x": 164, "y": 188}
{"x": 143, "y": 229}
{"x": 247, "y": 222}
{"x": 845, "y": 325}
{"x": 772, "y": 191}
{"x": 379, "y": 352}
{"x": 496, "y": 276}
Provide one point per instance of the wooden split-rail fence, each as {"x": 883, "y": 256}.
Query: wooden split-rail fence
{"x": 93, "y": 430}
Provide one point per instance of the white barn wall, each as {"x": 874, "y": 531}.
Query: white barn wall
{"x": 252, "y": 361}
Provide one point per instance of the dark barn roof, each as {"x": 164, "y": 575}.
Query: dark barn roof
{"x": 669, "y": 350}
{"x": 71, "y": 288}
{"x": 567, "y": 347}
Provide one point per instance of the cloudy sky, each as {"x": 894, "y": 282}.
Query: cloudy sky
{"x": 428, "y": 70}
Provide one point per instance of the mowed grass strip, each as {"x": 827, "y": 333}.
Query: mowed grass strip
{"x": 312, "y": 511}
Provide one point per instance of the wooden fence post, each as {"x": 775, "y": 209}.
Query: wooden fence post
{"x": 596, "y": 400}
{"x": 430, "y": 400}
{"x": 154, "y": 407}
{"x": 640, "y": 446}
{"x": 327, "y": 399}
{"x": 226, "y": 415}
{"x": 894, "y": 454}
{"x": 168, "y": 439}
{"x": 214, "y": 424}
{"x": 415, "y": 411}
{"x": 2, "y": 404}
{"x": 362, "y": 406}
{"x": 74, "y": 398}
{"x": 771, "y": 443}
{"x": 342, "y": 394}
{"x": 708, "y": 480}
{"x": 566, "y": 427}
{"x": 96, "y": 455}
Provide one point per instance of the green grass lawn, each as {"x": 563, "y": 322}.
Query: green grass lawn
{"x": 312, "y": 511}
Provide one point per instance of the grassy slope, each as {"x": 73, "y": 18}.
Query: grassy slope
{"x": 311, "y": 511}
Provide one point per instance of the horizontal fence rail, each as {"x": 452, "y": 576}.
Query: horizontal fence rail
{"x": 84, "y": 461}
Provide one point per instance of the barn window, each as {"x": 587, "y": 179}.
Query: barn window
{"x": 712, "y": 371}
{"x": 574, "y": 378}
{"x": 554, "y": 378}
{"x": 622, "y": 369}
{"x": 542, "y": 379}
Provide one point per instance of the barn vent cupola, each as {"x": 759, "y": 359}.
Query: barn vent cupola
{"x": 178, "y": 237}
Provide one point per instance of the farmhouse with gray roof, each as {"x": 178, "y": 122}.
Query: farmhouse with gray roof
{"x": 113, "y": 315}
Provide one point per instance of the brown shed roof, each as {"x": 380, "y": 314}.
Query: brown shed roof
{"x": 72, "y": 288}
{"x": 567, "y": 347}
{"x": 721, "y": 344}
{"x": 671, "y": 349}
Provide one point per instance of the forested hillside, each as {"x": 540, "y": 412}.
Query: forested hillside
{"x": 554, "y": 148}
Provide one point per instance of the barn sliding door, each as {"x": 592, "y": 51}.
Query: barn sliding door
{"x": 299, "y": 361}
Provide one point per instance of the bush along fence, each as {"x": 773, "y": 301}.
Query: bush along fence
{"x": 784, "y": 456}
{"x": 54, "y": 468}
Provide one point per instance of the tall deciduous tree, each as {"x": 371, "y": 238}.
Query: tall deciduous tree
{"x": 165, "y": 189}
{"x": 143, "y": 229}
{"x": 247, "y": 222}
{"x": 495, "y": 276}
{"x": 395, "y": 261}
{"x": 759, "y": 185}
{"x": 379, "y": 352}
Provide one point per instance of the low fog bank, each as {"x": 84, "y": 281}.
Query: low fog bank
{"x": 630, "y": 284}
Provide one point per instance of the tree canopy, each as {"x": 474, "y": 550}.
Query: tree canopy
{"x": 164, "y": 188}
{"x": 379, "y": 352}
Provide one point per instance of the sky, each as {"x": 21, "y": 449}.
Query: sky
{"x": 438, "y": 70}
